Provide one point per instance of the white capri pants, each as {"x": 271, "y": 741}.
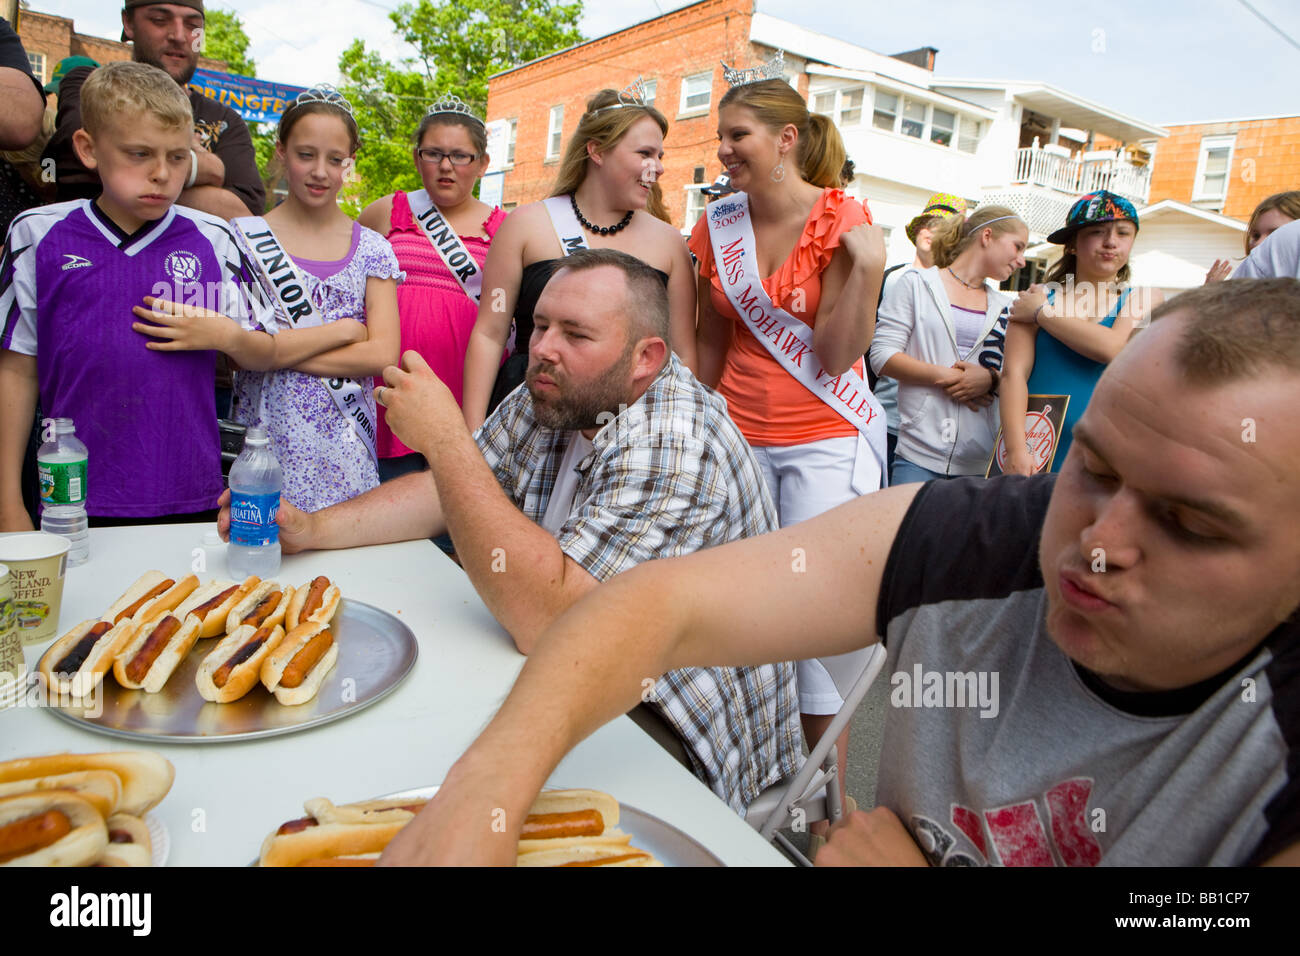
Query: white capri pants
{"x": 806, "y": 480}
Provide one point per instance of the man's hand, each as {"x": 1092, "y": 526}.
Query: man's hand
{"x": 870, "y": 838}
{"x": 973, "y": 382}
{"x": 295, "y": 525}
{"x": 211, "y": 170}
{"x": 420, "y": 407}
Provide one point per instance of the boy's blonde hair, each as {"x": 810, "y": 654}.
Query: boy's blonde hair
{"x": 129, "y": 89}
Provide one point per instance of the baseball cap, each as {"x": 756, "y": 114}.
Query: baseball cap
{"x": 940, "y": 205}
{"x": 64, "y": 67}
{"x": 1101, "y": 206}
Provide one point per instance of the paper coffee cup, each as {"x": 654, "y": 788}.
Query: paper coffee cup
{"x": 37, "y": 562}
{"x": 12, "y": 666}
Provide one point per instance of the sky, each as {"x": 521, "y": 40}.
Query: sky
{"x": 1162, "y": 61}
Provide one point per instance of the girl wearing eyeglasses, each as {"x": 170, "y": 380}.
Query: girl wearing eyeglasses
{"x": 437, "y": 311}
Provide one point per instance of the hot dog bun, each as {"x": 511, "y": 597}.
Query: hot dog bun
{"x": 244, "y": 674}
{"x": 250, "y": 602}
{"x": 129, "y": 843}
{"x": 594, "y": 854}
{"x": 152, "y": 676}
{"x": 74, "y": 665}
{"x": 145, "y": 776}
{"x": 147, "y": 598}
{"x": 329, "y": 596}
{"x": 279, "y": 660}
{"x": 102, "y": 789}
{"x": 79, "y": 839}
{"x": 211, "y": 612}
{"x": 328, "y": 840}
{"x": 394, "y": 810}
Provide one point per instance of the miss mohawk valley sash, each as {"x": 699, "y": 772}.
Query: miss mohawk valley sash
{"x": 786, "y": 338}
{"x": 446, "y": 243}
{"x": 280, "y": 277}
{"x": 566, "y": 225}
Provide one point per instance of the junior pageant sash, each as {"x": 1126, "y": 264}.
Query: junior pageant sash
{"x": 280, "y": 277}
{"x": 786, "y": 338}
{"x": 446, "y": 243}
{"x": 566, "y": 225}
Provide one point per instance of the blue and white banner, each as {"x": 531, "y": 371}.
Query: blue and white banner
{"x": 257, "y": 101}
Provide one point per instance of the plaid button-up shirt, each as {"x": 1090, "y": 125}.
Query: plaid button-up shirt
{"x": 670, "y": 475}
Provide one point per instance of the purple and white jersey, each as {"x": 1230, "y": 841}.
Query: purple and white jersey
{"x": 68, "y": 279}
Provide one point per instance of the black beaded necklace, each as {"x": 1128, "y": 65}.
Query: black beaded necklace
{"x": 599, "y": 230}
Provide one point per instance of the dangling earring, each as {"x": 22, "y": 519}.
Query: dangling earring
{"x": 778, "y": 171}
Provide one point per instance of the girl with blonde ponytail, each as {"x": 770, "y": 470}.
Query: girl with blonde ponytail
{"x": 820, "y": 259}
{"x": 940, "y": 334}
{"x": 609, "y": 177}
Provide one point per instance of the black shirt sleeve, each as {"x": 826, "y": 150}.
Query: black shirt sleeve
{"x": 14, "y": 56}
{"x": 965, "y": 539}
{"x": 226, "y": 134}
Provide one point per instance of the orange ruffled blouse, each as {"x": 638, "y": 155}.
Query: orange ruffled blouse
{"x": 767, "y": 404}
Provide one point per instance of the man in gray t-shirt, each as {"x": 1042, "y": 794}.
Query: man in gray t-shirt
{"x": 1100, "y": 668}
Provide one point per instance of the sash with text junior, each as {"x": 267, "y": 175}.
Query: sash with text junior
{"x": 446, "y": 243}
{"x": 787, "y": 338}
{"x": 284, "y": 283}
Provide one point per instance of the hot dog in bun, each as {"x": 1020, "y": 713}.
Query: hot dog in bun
{"x": 144, "y": 775}
{"x": 318, "y": 601}
{"x": 263, "y": 606}
{"x": 212, "y": 604}
{"x": 154, "y": 652}
{"x": 76, "y": 663}
{"x": 295, "y": 669}
{"x": 50, "y": 828}
{"x": 232, "y": 667}
{"x": 152, "y": 595}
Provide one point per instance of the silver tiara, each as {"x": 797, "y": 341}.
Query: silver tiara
{"x": 451, "y": 103}
{"x": 633, "y": 95}
{"x": 773, "y": 69}
{"x": 324, "y": 93}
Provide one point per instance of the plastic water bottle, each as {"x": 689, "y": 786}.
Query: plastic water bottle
{"x": 61, "y": 467}
{"x": 255, "y": 482}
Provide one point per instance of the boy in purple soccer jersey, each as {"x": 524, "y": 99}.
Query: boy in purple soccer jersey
{"x": 139, "y": 386}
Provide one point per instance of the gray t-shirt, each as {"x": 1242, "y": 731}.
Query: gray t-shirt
{"x": 998, "y": 749}
{"x": 1277, "y": 257}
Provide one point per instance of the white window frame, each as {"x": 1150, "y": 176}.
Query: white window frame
{"x": 830, "y": 111}
{"x": 697, "y": 110}
{"x": 33, "y": 59}
{"x": 511, "y": 137}
{"x": 554, "y": 131}
{"x": 1209, "y": 143}
{"x": 696, "y": 189}
{"x": 953, "y": 132}
{"x": 837, "y": 108}
{"x": 651, "y": 91}
{"x": 897, "y": 109}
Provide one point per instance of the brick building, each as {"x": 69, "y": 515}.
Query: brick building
{"x": 1227, "y": 166}
{"x": 48, "y": 38}
{"x": 676, "y": 54}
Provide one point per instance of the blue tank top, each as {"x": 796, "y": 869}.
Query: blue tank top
{"x": 1060, "y": 370}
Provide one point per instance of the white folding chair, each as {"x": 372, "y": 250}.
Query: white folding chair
{"x": 813, "y": 793}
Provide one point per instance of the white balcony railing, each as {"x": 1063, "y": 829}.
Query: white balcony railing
{"x": 1044, "y": 167}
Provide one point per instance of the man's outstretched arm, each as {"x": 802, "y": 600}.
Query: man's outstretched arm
{"x": 806, "y": 591}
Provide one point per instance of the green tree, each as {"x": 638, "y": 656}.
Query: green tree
{"x": 224, "y": 39}
{"x": 458, "y": 44}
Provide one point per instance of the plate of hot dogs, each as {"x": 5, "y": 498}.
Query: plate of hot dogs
{"x": 84, "y": 809}
{"x": 563, "y": 828}
{"x": 181, "y": 661}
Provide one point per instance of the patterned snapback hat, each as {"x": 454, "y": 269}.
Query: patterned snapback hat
{"x": 940, "y": 206}
{"x": 1101, "y": 206}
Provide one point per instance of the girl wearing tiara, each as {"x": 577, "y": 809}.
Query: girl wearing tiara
{"x": 319, "y": 266}
{"x": 607, "y": 196}
{"x": 820, "y": 260}
{"x": 939, "y": 334}
{"x": 438, "y": 303}
{"x": 1062, "y": 337}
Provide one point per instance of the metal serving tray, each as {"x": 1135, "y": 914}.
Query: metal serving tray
{"x": 376, "y": 652}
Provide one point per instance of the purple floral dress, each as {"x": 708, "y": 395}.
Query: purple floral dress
{"x": 323, "y": 459}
